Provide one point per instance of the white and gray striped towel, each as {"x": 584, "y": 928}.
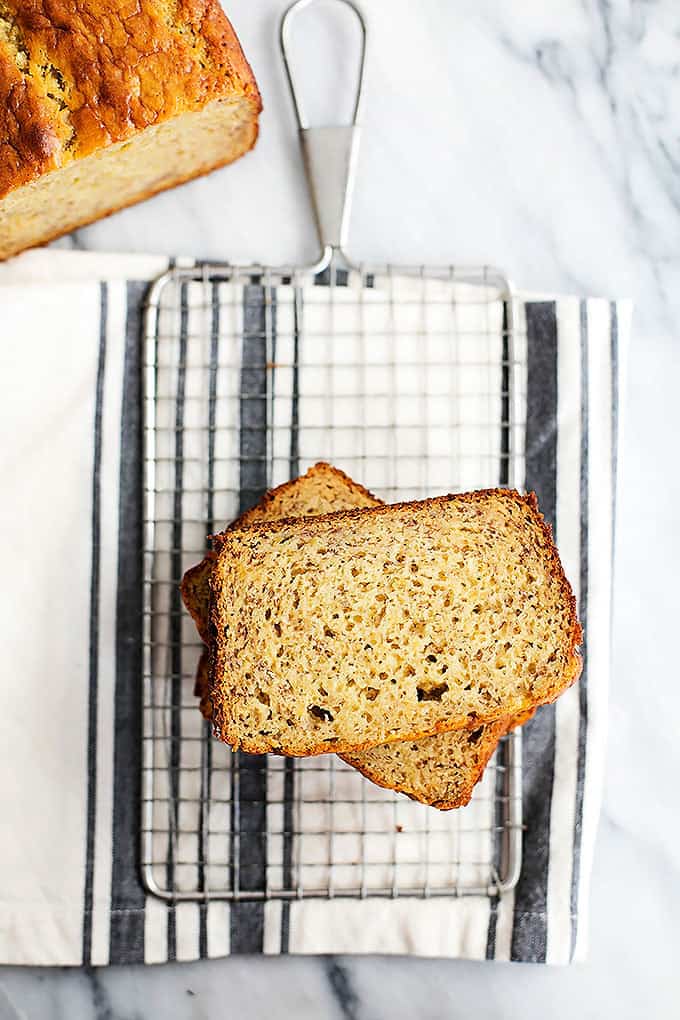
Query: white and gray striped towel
{"x": 70, "y": 889}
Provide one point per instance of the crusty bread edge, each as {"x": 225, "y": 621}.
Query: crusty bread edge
{"x": 202, "y": 626}
{"x": 569, "y": 677}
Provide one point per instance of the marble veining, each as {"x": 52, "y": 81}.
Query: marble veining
{"x": 544, "y": 138}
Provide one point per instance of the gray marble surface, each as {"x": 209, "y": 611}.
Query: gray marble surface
{"x": 544, "y": 138}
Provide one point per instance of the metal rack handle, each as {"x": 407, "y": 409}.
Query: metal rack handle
{"x": 329, "y": 152}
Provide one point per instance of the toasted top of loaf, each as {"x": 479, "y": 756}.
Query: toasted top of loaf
{"x": 78, "y": 77}
{"x": 322, "y": 489}
{"x": 342, "y": 632}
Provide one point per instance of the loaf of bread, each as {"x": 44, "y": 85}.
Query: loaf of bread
{"x": 362, "y": 627}
{"x": 440, "y": 771}
{"x": 105, "y": 103}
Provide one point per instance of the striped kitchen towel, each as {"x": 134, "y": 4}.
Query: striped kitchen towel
{"x": 72, "y": 621}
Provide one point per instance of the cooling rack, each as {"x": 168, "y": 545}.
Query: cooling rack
{"x": 410, "y": 379}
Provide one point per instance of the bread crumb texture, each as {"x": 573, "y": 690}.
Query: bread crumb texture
{"x": 346, "y": 631}
{"x": 322, "y": 489}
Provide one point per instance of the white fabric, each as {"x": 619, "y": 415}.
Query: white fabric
{"x": 50, "y": 362}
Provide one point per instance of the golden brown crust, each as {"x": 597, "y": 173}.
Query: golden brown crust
{"x": 76, "y": 78}
{"x": 467, "y": 776}
{"x": 221, "y": 725}
{"x": 518, "y": 720}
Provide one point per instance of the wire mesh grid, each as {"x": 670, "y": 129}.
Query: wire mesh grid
{"x": 413, "y": 382}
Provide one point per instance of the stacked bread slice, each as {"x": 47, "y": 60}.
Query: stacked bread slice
{"x": 407, "y": 638}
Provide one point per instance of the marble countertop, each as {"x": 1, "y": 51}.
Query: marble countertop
{"x": 544, "y": 138}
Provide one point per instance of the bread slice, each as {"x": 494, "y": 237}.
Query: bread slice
{"x": 102, "y": 105}
{"x": 441, "y": 770}
{"x": 362, "y": 627}
{"x": 323, "y": 489}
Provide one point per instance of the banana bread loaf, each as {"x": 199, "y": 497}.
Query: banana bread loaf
{"x": 105, "y": 103}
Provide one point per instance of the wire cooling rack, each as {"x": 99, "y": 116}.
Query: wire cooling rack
{"x": 413, "y": 382}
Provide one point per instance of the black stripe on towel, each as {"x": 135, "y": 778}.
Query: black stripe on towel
{"x": 583, "y": 616}
{"x": 247, "y": 917}
{"x": 503, "y": 480}
{"x": 94, "y": 630}
{"x": 207, "y": 745}
{"x": 289, "y": 763}
{"x": 176, "y": 616}
{"x": 127, "y": 895}
{"x": 529, "y": 935}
